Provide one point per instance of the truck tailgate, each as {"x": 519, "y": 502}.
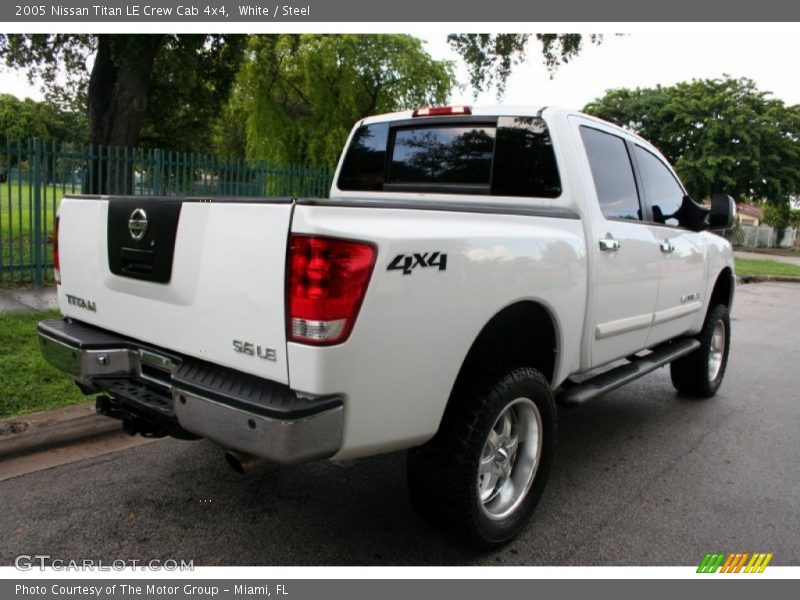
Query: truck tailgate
{"x": 201, "y": 278}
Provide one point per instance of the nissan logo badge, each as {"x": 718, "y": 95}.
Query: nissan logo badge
{"x": 137, "y": 224}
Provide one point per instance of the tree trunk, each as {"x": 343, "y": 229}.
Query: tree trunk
{"x": 117, "y": 100}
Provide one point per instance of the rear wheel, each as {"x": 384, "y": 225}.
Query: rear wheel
{"x": 484, "y": 472}
{"x": 700, "y": 373}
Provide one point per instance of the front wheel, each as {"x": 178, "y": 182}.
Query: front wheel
{"x": 484, "y": 472}
{"x": 700, "y": 373}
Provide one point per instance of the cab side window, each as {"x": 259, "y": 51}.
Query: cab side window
{"x": 663, "y": 192}
{"x": 612, "y": 173}
{"x": 363, "y": 165}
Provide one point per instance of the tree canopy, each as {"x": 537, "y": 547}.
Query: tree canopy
{"x": 28, "y": 118}
{"x": 298, "y": 96}
{"x": 164, "y": 89}
{"x": 192, "y": 80}
{"x": 294, "y": 98}
{"x": 722, "y": 135}
{"x": 490, "y": 58}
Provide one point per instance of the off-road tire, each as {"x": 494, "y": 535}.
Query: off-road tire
{"x": 696, "y": 374}
{"x": 443, "y": 475}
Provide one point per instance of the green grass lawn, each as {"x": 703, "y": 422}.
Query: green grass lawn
{"x": 27, "y": 382}
{"x": 16, "y": 204}
{"x": 16, "y": 226}
{"x": 755, "y": 267}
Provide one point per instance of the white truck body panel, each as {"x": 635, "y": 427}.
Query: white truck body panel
{"x": 413, "y": 332}
{"x": 682, "y": 275}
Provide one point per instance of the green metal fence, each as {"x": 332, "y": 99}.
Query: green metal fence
{"x": 35, "y": 174}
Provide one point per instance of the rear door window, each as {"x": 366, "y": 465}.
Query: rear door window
{"x": 612, "y": 173}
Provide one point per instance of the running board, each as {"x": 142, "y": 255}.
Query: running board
{"x": 578, "y": 393}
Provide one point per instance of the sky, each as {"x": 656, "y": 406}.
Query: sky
{"x": 644, "y": 60}
{"x": 640, "y": 59}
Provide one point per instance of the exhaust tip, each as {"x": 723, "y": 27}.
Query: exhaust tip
{"x": 240, "y": 462}
{"x": 234, "y": 462}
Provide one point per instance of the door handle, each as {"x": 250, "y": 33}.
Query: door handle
{"x": 609, "y": 244}
{"x": 666, "y": 246}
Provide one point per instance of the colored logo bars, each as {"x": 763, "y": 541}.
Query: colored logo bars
{"x": 734, "y": 562}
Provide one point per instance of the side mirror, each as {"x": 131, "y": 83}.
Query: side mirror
{"x": 691, "y": 215}
{"x": 723, "y": 212}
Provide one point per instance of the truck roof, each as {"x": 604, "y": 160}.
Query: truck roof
{"x": 489, "y": 111}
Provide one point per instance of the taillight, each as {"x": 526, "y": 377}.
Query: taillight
{"x": 436, "y": 111}
{"x": 326, "y": 282}
{"x": 56, "y": 261}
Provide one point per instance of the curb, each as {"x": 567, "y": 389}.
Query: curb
{"x": 766, "y": 279}
{"x": 52, "y": 429}
{"x": 26, "y": 299}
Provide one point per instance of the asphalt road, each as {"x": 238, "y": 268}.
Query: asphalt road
{"x": 642, "y": 477}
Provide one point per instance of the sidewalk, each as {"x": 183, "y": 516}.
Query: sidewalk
{"x": 790, "y": 260}
{"x": 47, "y": 439}
{"x": 27, "y": 299}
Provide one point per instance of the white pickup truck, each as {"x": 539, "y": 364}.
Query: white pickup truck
{"x": 471, "y": 270}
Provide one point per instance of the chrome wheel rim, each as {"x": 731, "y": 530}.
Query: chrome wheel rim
{"x": 509, "y": 459}
{"x": 717, "y": 350}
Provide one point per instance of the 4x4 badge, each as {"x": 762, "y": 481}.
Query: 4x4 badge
{"x": 407, "y": 262}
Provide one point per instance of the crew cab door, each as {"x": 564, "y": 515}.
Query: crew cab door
{"x": 626, "y": 251}
{"x": 683, "y": 252}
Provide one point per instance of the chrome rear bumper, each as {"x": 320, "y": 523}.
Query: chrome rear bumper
{"x": 237, "y": 410}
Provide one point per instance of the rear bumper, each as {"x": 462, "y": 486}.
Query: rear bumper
{"x": 237, "y": 410}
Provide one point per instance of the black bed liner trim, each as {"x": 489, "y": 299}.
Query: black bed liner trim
{"x": 553, "y": 212}
{"x": 247, "y": 392}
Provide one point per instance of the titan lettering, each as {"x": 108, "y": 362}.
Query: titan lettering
{"x": 81, "y": 303}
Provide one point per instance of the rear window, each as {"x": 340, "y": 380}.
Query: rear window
{"x": 508, "y": 156}
{"x": 443, "y": 155}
